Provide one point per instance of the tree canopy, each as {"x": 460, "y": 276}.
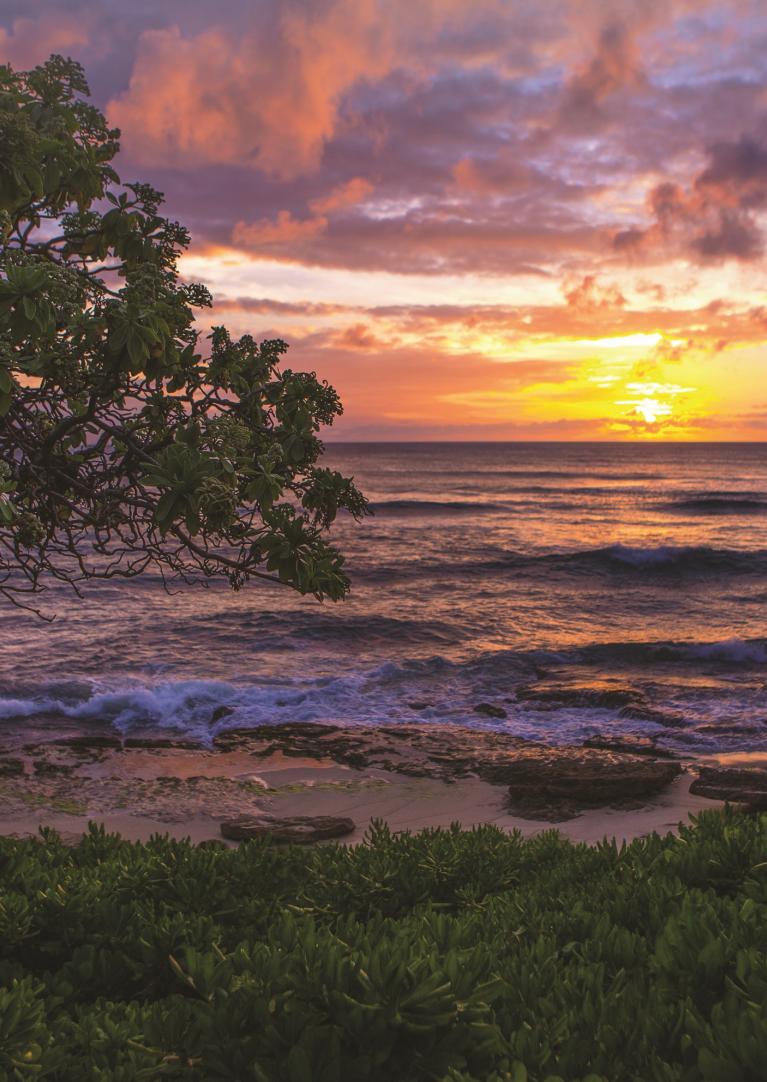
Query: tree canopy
{"x": 128, "y": 441}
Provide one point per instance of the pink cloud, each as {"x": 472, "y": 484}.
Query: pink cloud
{"x": 29, "y": 42}
{"x": 266, "y": 95}
{"x": 358, "y": 336}
{"x": 351, "y": 193}
{"x": 283, "y": 232}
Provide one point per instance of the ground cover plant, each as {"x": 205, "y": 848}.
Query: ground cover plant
{"x": 451, "y": 955}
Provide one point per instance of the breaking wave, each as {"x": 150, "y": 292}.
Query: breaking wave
{"x": 446, "y": 690}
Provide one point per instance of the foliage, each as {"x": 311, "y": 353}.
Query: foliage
{"x": 452, "y": 955}
{"x": 122, "y": 446}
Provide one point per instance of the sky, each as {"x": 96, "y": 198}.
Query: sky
{"x": 478, "y": 219}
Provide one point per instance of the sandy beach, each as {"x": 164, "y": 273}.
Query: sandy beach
{"x": 184, "y": 790}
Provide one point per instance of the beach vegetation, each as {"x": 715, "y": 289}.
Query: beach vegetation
{"x": 131, "y": 440}
{"x": 449, "y": 955}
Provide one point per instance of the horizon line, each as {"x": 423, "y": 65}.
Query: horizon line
{"x": 634, "y": 442}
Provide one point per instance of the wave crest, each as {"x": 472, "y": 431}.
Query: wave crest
{"x": 718, "y": 504}
{"x": 436, "y": 507}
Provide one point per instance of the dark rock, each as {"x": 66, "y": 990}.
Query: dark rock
{"x": 297, "y": 828}
{"x": 11, "y": 768}
{"x": 221, "y": 712}
{"x": 490, "y": 710}
{"x": 418, "y": 706}
{"x": 737, "y": 786}
{"x": 150, "y": 744}
{"x": 558, "y": 783}
{"x": 281, "y": 735}
{"x": 648, "y": 713}
{"x": 634, "y": 745}
{"x": 88, "y": 742}
{"x": 357, "y": 759}
{"x": 43, "y": 766}
{"x": 300, "y": 728}
{"x": 599, "y": 696}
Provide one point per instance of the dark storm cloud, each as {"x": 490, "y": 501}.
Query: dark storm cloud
{"x": 714, "y": 218}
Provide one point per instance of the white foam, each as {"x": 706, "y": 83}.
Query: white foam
{"x": 647, "y": 557}
{"x": 727, "y": 650}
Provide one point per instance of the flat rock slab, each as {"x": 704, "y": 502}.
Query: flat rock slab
{"x": 559, "y": 783}
{"x": 167, "y": 799}
{"x": 543, "y": 782}
{"x": 443, "y": 752}
{"x": 738, "y": 786}
{"x": 634, "y": 745}
{"x": 297, "y": 828}
{"x": 601, "y": 695}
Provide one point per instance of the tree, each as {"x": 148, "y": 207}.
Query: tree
{"x": 125, "y": 445}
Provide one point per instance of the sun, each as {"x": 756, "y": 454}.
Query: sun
{"x": 651, "y": 410}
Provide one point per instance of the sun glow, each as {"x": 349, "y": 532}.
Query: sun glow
{"x": 649, "y": 409}
{"x": 466, "y": 356}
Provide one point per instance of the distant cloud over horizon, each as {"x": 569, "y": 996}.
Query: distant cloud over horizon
{"x": 470, "y": 215}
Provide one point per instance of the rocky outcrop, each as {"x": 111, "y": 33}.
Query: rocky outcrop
{"x": 446, "y": 752}
{"x": 640, "y": 712}
{"x": 297, "y": 828}
{"x": 747, "y": 786}
{"x": 558, "y": 783}
{"x": 634, "y": 745}
{"x": 543, "y": 782}
{"x": 161, "y": 744}
{"x": 490, "y": 710}
{"x": 82, "y": 777}
{"x": 597, "y": 695}
{"x": 90, "y": 742}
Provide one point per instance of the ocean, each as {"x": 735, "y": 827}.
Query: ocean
{"x": 575, "y": 589}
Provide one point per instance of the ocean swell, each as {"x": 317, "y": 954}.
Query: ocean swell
{"x": 718, "y": 504}
{"x": 434, "y": 688}
{"x": 436, "y": 507}
{"x": 689, "y": 560}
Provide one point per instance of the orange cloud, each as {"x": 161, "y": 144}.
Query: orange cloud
{"x": 284, "y": 231}
{"x": 589, "y": 294}
{"x": 358, "y": 336}
{"x": 345, "y": 195}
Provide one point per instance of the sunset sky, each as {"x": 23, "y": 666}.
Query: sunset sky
{"x": 478, "y": 219}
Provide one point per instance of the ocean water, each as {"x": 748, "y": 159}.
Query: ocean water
{"x": 532, "y": 577}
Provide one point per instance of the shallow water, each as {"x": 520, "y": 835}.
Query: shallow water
{"x": 487, "y": 568}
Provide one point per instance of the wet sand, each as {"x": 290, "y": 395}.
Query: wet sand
{"x": 188, "y": 792}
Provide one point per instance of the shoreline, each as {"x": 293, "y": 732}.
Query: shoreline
{"x": 413, "y": 806}
{"x": 413, "y": 778}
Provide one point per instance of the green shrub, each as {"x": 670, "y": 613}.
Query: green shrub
{"x": 450, "y": 955}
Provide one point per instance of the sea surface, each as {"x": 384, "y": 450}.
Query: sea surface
{"x": 531, "y": 577}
